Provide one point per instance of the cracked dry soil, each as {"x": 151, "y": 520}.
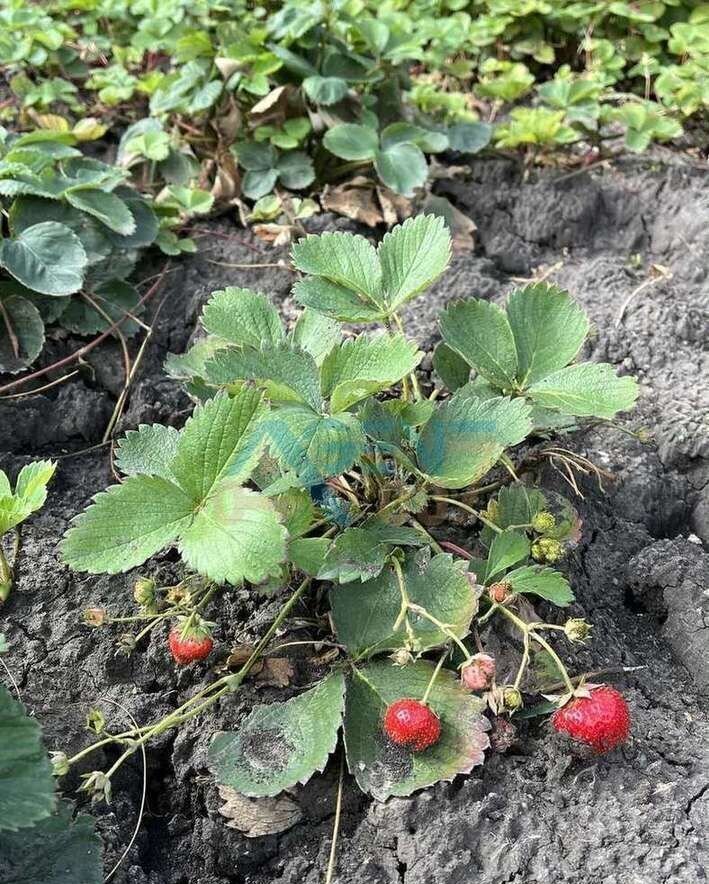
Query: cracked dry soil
{"x": 537, "y": 814}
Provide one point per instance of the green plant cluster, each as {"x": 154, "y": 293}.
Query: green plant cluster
{"x": 313, "y": 455}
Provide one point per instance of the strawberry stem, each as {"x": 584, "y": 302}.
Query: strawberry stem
{"x": 433, "y": 678}
{"x": 469, "y": 509}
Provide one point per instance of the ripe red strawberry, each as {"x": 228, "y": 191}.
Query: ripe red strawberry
{"x": 190, "y": 643}
{"x": 410, "y": 723}
{"x": 601, "y": 719}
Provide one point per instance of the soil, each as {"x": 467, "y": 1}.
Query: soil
{"x": 539, "y": 812}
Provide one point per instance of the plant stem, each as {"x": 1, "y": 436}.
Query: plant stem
{"x": 469, "y": 509}
{"x": 446, "y": 630}
{"x": 433, "y": 678}
{"x": 557, "y": 660}
{"x": 5, "y": 577}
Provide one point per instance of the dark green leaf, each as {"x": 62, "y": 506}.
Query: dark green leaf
{"x": 47, "y": 258}
{"x": 27, "y": 330}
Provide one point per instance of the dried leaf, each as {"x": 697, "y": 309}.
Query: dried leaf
{"x": 461, "y": 227}
{"x": 355, "y": 199}
{"x": 277, "y": 234}
{"x": 271, "y": 108}
{"x": 276, "y": 672}
{"x": 256, "y": 817}
{"x": 229, "y": 124}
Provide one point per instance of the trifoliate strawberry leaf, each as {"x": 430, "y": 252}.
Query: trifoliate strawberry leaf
{"x": 27, "y": 793}
{"x": 285, "y": 373}
{"x": 363, "y": 366}
{"x": 242, "y": 317}
{"x": 336, "y": 301}
{"x": 149, "y": 451}
{"x": 413, "y": 256}
{"x": 316, "y": 334}
{"x": 506, "y": 550}
{"x": 450, "y": 367}
{"x": 465, "y": 437}
{"x": 543, "y": 582}
{"x": 480, "y": 333}
{"x": 365, "y": 616}
{"x": 347, "y": 260}
{"x": 107, "y": 207}
{"x": 56, "y": 850}
{"x": 236, "y": 534}
{"x": 47, "y": 258}
{"x": 219, "y": 440}
{"x": 402, "y": 167}
{"x": 21, "y": 333}
{"x": 548, "y": 327}
{"x": 382, "y": 768}
{"x": 281, "y": 744}
{"x": 589, "y": 389}
{"x": 127, "y": 524}
{"x": 315, "y": 446}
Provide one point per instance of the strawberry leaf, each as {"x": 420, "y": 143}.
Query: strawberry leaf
{"x": 383, "y": 769}
{"x": 344, "y": 259}
{"x": 480, "y": 333}
{"x": 412, "y": 257}
{"x": 316, "y": 334}
{"x": 28, "y": 330}
{"x": 336, "y": 301}
{"x": 506, "y": 550}
{"x": 27, "y": 793}
{"x": 149, "y": 451}
{"x": 363, "y": 366}
{"x": 281, "y": 744}
{"x": 242, "y": 317}
{"x": 465, "y": 437}
{"x": 589, "y": 389}
{"x": 365, "y": 616}
{"x": 548, "y": 327}
{"x": 543, "y": 582}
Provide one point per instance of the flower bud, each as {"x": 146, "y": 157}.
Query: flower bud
{"x": 498, "y": 592}
{"x": 512, "y": 698}
{"x": 96, "y": 721}
{"x": 477, "y": 674}
{"x": 97, "y": 784}
{"x": 95, "y": 616}
{"x": 577, "y": 630}
{"x": 546, "y": 549}
{"x": 60, "y": 763}
{"x": 543, "y": 522}
{"x": 144, "y": 592}
{"x": 402, "y": 657}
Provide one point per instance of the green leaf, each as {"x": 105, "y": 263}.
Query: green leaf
{"x": 548, "y": 328}
{"x": 350, "y": 141}
{"x": 413, "y": 256}
{"x": 428, "y": 140}
{"x": 297, "y": 510}
{"x": 192, "y": 363}
{"x": 356, "y": 554}
{"x": 57, "y": 850}
{"x": 480, "y": 333}
{"x": 149, "y": 451}
{"x": 316, "y": 334}
{"x": 590, "y": 389}
{"x": 336, "y": 301}
{"x": 325, "y": 90}
{"x": 347, "y": 260}
{"x": 258, "y": 183}
{"x": 107, "y": 207}
{"x": 27, "y": 793}
{"x": 506, "y": 550}
{"x": 451, "y": 368}
{"x": 236, "y": 534}
{"x": 46, "y": 257}
{"x": 365, "y": 365}
{"x": 27, "y": 327}
{"x": 465, "y": 437}
{"x": 307, "y": 554}
{"x": 384, "y": 769}
{"x": 402, "y": 167}
{"x": 469, "y": 137}
{"x": 543, "y": 582}
{"x": 286, "y": 374}
{"x": 281, "y": 744}
{"x": 32, "y": 481}
{"x": 315, "y": 446}
{"x": 113, "y": 298}
{"x": 518, "y": 505}
{"x": 242, "y": 317}
{"x": 365, "y": 616}
{"x": 126, "y": 524}
{"x": 296, "y": 170}
{"x": 218, "y": 441}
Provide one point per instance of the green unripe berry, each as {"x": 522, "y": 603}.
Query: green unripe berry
{"x": 144, "y": 592}
{"x": 546, "y": 549}
{"x": 543, "y": 522}
{"x": 512, "y": 698}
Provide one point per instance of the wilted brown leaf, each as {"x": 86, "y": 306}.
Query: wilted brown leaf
{"x": 256, "y": 817}
{"x": 276, "y": 672}
{"x": 271, "y": 108}
{"x": 354, "y": 199}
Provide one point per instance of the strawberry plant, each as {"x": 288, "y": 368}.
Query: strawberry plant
{"x": 16, "y": 506}
{"x": 316, "y": 459}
